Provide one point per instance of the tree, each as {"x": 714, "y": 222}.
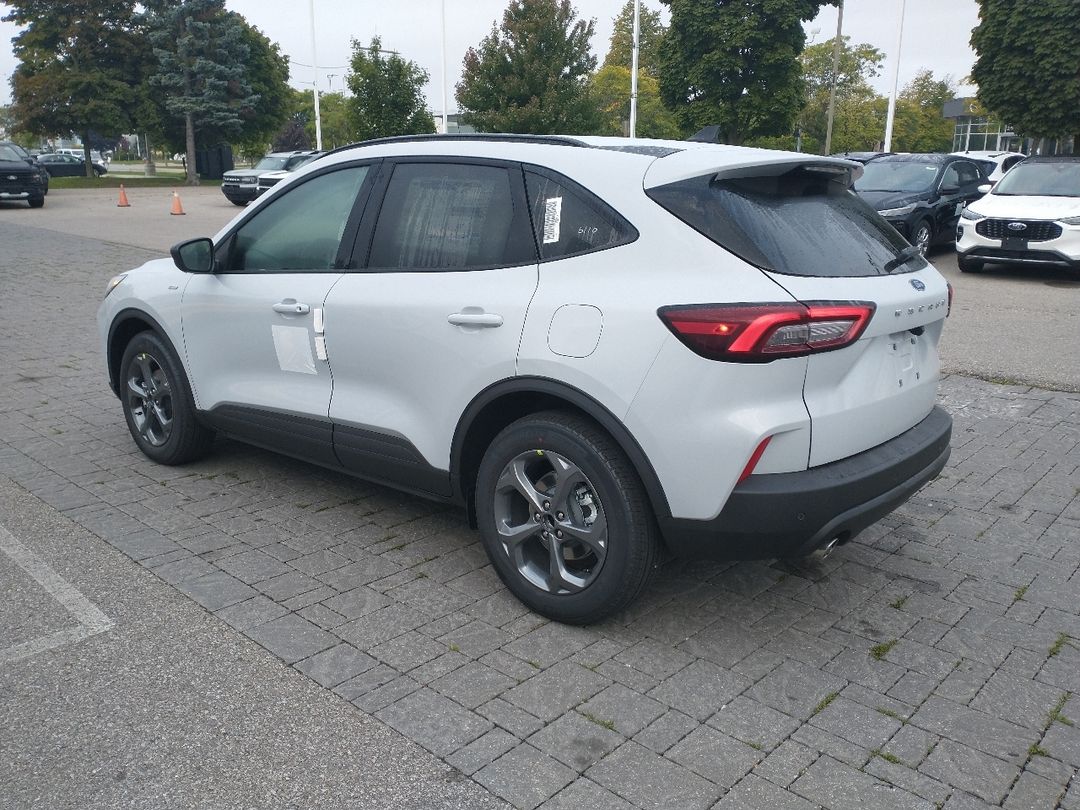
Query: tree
{"x": 201, "y": 51}
{"x": 735, "y": 64}
{"x": 650, "y": 40}
{"x": 387, "y": 93}
{"x": 859, "y": 121}
{"x": 611, "y": 93}
{"x": 267, "y": 71}
{"x": 336, "y": 117}
{"x": 918, "y": 125}
{"x": 531, "y": 74}
{"x": 76, "y": 69}
{"x": 1026, "y": 64}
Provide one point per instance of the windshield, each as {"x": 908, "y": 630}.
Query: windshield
{"x": 296, "y": 162}
{"x": 7, "y": 153}
{"x": 1041, "y": 180}
{"x": 271, "y": 164}
{"x": 800, "y": 223}
{"x": 906, "y": 175}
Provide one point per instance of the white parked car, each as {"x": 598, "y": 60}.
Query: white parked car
{"x": 1031, "y": 217}
{"x": 997, "y": 163}
{"x": 597, "y": 346}
{"x": 268, "y": 180}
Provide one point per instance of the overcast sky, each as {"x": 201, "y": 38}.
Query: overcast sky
{"x": 936, "y": 34}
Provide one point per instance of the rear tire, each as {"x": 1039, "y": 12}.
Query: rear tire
{"x": 158, "y": 405}
{"x": 564, "y": 518}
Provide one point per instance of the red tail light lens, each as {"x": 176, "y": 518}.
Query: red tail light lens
{"x": 758, "y": 333}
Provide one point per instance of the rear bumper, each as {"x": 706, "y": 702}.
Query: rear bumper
{"x": 792, "y": 514}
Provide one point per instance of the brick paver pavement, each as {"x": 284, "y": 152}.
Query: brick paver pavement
{"x": 932, "y": 662}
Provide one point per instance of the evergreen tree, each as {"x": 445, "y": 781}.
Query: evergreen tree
{"x": 735, "y": 64}
{"x": 387, "y": 94}
{"x": 531, "y": 74}
{"x": 77, "y": 69}
{"x": 1026, "y": 67}
{"x": 267, "y": 71}
{"x": 650, "y": 40}
{"x": 201, "y": 52}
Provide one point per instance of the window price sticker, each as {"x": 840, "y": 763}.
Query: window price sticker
{"x": 552, "y": 219}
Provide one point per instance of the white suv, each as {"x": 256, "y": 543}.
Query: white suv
{"x": 598, "y": 346}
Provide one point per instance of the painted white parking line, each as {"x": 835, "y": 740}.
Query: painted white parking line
{"x": 91, "y": 620}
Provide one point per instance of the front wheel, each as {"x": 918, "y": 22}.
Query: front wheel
{"x": 158, "y": 405}
{"x": 922, "y": 235}
{"x": 565, "y": 518}
{"x": 37, "y": 202}
{"x": 967, "y": 265}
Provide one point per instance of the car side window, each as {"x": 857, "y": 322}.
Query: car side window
{"x": 1009, "y": 162}
{"x": 569, "y": 221}
{"x": 967, "y": 174}
{"x": 301, "y": 230}
{"x": 448, "y": 216}
{"x": 951, "y": 176}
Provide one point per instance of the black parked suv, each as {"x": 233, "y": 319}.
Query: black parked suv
{"x": 922, "y": 195}
{"x": 20, "y": 180}
{"x": 33, "y": 161}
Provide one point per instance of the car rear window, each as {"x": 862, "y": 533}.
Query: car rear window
{"x": 803, "y": 222}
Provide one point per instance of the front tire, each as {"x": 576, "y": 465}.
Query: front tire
{"x": 36, "y": 202}
{"x": 158, "y": 405}
{"x": 967, "y": 265}
{"x": 565, "y": 518}
{"x": 922, "y": 236}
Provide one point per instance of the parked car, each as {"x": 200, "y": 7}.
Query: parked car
{"x": 861, "y": 157}
{"x": 241, "y": 186}
{"x": 921, "y": 195}
{"x": 595, "y": 345}
{"x": 268, "y": 180}
{"x": 1031, "y": 217}
{"x": 59, "y": 165}
{"x": 19, "y": 180}
{"x": 31, "y": 160}
{"x": 996, "y": 163}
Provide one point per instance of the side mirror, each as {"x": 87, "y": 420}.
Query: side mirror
{"x": 985, "y": 188}
{"x": 947, "y": 190}
{"x": 194, "y": 255}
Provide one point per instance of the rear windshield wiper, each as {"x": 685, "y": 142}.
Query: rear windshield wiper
{"x": 902, "y": 258}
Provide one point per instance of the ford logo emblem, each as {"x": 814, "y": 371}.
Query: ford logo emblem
{"x": 12, "y": 177}
{"x": 918, "y": 285}
{"x": 1016, "y": 226}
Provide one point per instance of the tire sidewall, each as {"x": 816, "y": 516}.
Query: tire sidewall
{"x": 596, "y": 599}
{"x": 183, "y": 407}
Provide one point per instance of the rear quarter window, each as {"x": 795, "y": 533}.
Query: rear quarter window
{"x": 802, "y": 222}
{"x": 568, "y": 220}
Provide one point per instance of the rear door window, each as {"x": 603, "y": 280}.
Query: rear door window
{"x": 803, "y": 222}
{"x": 450, "y": 216}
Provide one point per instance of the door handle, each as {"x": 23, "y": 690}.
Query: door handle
{"x": 291, "y": 307}
{"x": 475, "y": 319}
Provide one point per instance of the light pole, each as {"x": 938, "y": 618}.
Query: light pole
{"x": 896, "y": 80}
{"x": 315, "y": 83}
{"x": 633, "y": 69}
{"x": 835, "y": 78}
{"x": 330, "y": 82}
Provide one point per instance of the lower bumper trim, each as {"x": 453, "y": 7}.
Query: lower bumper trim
{"x": 793, "y": 514}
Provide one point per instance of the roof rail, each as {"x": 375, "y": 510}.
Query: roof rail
{"x": 551, "y": 140}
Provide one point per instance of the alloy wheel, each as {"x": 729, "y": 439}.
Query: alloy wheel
{"x": 149, "y": 399}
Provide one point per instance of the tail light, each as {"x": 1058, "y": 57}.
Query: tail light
{"x": 759, "y": 333}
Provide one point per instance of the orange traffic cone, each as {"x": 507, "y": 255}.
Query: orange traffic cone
{"x": 177, "y": 208}
{"x": 123, "y": 198}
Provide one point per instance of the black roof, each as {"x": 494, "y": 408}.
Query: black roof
{"x": 918, "y": 157}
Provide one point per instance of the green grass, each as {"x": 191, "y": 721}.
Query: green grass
{"x": 825, "y": 701}
{"x": 1037, "y": 750}
{"x": 885, "y": 755}
{"x": 592, "y": 718}
{"x": 455, "y": 648}
{"x": 1019, "y": 593}
{"x": 113, "y": 181}
{"x": 879, "y": 651}
{"x": 1055, "y": 648}
{"x": 1055, "y": 715}
{"x": 892, "y": 714}
{"x": 899, "y": 603}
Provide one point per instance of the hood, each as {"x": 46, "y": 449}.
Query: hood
{"x": 16, "y": 166}
{"x": 882, "y": 200}
{"x": 1004, "y": 207}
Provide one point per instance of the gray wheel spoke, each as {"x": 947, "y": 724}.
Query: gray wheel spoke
{"x": 146, "y": 370}
{"x": 560, "y": 579}
{"x": 514, "y": 536}
{"x": 515, "y": 477}
{"x": 594, "y": 536}
{"x": 567, "y": 477}
{"x": 164, "y": 420}
{"x": 136, "y": 389}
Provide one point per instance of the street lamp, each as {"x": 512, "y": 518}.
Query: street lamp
{"x": 330, "y": 82}
{"x": 896, "y": 80}
{"x": 315, "y": 84}
{"x": 633, "y": 69}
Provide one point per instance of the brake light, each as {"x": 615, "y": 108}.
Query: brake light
{"x": 758, "y": 333}
{"x": 748, "y": 470}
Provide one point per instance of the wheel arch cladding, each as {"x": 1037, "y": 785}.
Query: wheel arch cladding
{"x": 507, "y": 401}
{"x": 126, "y": 325}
